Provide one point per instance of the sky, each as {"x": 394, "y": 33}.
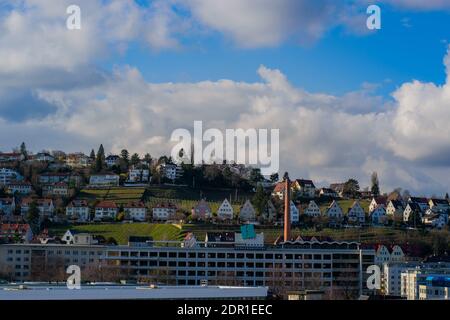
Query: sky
{"x": 347, "y": 100}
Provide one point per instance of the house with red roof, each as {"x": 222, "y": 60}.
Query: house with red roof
{"x": 106, "y": 210}
{"x": 164, "y": 211}
{"x": 16, "y": 232}
{"x": 136, "y": 211}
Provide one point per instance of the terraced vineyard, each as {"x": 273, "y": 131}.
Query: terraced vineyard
{"x": 120, "y": 195}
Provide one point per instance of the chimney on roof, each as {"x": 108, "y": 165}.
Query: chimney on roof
{"x": 287, "y": 207}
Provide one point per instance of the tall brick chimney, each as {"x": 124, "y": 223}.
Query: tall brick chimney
{"x": 287, "y": 207}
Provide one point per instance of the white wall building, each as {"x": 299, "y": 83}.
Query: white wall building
{"x": 136, "y": 211}
{"x": 104, "y": 180}
{"x": 334, "y": 211}
{"x": 8, "y": 175}
{"x": 247, "y": 212}
{"x": 313, "y": 210}
{"x": 164, "y": 212}
{"x": 225, "y": 211}
{"x": 78, "y": 209}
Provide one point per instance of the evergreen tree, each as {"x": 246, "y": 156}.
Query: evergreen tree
{"x": 274, "y": 177}
{"x": 23, "y": 150}
{"x": 135, "y": 159}
{"x": 32, "y": 218}
{"x": 259, "y": 200}
{"x": 375, "y": 185}
{"x": 100, "y": 159}
{"x": 351, "y": 188}
{"x": 92, "y": 155}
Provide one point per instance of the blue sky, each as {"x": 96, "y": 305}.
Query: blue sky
{"x": 410, "y": 46}
{"x": 348, "y": 101}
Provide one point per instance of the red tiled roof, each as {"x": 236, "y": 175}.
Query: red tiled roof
{"x": 135, "y": 204}
{"x": 106, "y": 204}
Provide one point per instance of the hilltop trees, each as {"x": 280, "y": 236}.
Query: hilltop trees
{"x": 351, "y": 188}
{"x": 33, "y": 217}
{"x": 99, "y": 163}
{"x": 375, "y": 189}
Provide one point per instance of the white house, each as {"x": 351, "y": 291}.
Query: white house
{"x": 164, "y": 211}
{"x": 136, "y": 211}
{"x": 106, "y": 209}
{"x": 78, "y": 238}
{"x": 104, "y": 180}
{"x": 411, "y": 207}
{"x": 19, "y": 187}
{"x": 377, "y": 202}
{"x": 44, "y": 157}
{"x": 139, "y": 175}
{"x": 79, "y": 210}
{"x": 356, "y": 214}
{"x": 112, "y": 160}
{"x": 247, "y": 212}
{"x": 334, "y": 211}
{"x": 328, "y": 192}
{"x": 378, "y": 215}
{"x": 7, "y": 206}
{"x": 439, "y": 205}
{"x": 225, "y": 211}
{"x": 78, "y": 160}
{"x": 7, "y": 176}
{"x": 395, "y": 208}
{"x": 388, "y": 254}
{"x": 435, "y": 220}
{"x": 305, "y": 188}
{"x": 170, "y": 171}
{"x": 313, "y": 210}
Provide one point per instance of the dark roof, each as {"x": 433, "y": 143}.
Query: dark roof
{"x": 418, "y": 199}
{"x": 414, "y": 206}
{"x": 303, "y": 182}
{"x": 440, "y": 201}
{"x": 397, "y": 203}
{"x": 138, "y": 239}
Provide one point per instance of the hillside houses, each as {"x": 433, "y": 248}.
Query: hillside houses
{"x": 334, "y": 212}
{"x": 164, "y": 211}
{"x": 15, "y": 232}
{"x": 225, "y": 211}
{"x": 313, "y": 210}
{"x": 69, "y": 178}
{"x": 8, "y": 176}
{"x": 410, "y": 209}
{"x": 304, "y": 188}
{"x": 11, "y": 157}
{"x": 78, "y": 160}
{"x": 247, "y": 213}
{"x": 378, "y": 201}
{"x": 78, "y": 210}
{"x": 295, "y": 213}
{"x": 136, "y": 211}
{"x": 202, "y": 211}
{"x": 19, "y": 187}
{"x": 269, "y": 213}
{"x": 7, "y": 206}
{"x": 395, "y": 209}
{"x": 45, "y": 206}
{"x": 378, "y": 215}
{"x": 104, "y": 180}
{"x": 106, "y": 210}
{"x": 356, "y": 214}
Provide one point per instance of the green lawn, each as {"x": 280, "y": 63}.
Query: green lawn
{"x": 121, "y": 231}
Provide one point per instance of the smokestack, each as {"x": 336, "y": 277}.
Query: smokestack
{"x": 287, "y": 207}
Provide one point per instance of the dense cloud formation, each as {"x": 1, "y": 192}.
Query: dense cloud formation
{"x": 53, "y": 96}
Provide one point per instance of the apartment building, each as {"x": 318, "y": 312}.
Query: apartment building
{"x": 335, "y": 266}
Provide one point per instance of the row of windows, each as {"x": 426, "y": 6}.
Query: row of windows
{"x": 211, "y": 264}
{"x": 222, "y": 255}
